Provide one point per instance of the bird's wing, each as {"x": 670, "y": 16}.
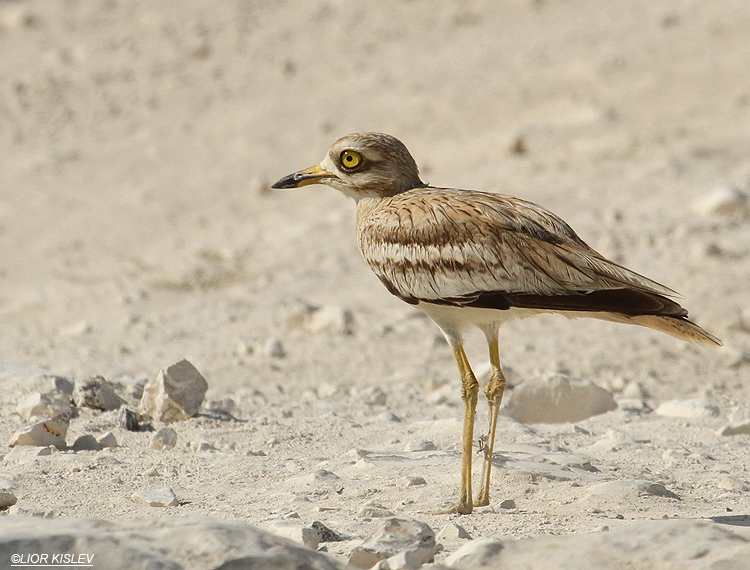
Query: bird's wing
{"x": 473, "y": 248}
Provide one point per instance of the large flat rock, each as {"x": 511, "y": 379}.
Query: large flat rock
{"x": 666, "y": 545}
{"x": 158, "y": 544}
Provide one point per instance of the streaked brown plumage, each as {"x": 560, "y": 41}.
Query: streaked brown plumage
{"x": 471, "y": 258}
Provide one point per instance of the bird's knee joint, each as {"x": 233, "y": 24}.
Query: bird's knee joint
{"x": 469, "y": 387}
{"x": 496, "y": 386}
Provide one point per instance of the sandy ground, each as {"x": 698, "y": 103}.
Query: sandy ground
{"x": 137, "y": 142}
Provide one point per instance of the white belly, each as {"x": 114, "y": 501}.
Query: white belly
{"x": 454, "y": 320}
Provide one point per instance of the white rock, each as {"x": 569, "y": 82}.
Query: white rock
{"x": 411, "y": 542}
{"x": 627, "y": 490}
{"x": 34, "y": 379}
{"x": 25, "y": 454}
{"x": 475, "y": 554}
{"x": 96, "y": 393}
{"x": 420, "y": 445}
{"x": 108, "y": 440}
{"x": 301, "y": 534}
{"x": 225, "y": 404}
{"x": 694, "y": 408}
{"x": 411, "y": 481}
{"x": 29, "y": 511}
{"x": 79, "y": 328}
{"x": 161, "y": 471}
{"x": 166, "y": 543}
{"x": 374, "y": 511}
{"x": 328, "y": 319}
{"x": 452, "y": 531}
{"x": 163, "y": 497}
{"x": 557, "y": 398}
{"x": 44, "y": 404}
{"x": 360, "y": 557}
{"x": 662, "y": 544}
{"x": 733, "y": 484}
{"x": 165, "y": 438}
{"x": 507, "y": 504}
{"x": 175, "y": 394}
{"x": 407, "y": 560}
{"x": 42, "y": 434}
{"x": 17, "y": 17}
{"x": 673, "y": 455}
{"x": 726, "y": 201}
{"x": 201, "y": 445}
{"x": 635, "y": 391}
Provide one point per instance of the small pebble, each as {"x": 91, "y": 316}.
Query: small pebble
{"x": 374, "y": 511}
{"x": 674, "y": 454}
{"x": 508, "y": 504}
{"x": 452, "y": 531}
{"x": 420, "y": 445}
{"x": 165, "y": 438}
{"x": 201, "y": 445}
{"x": 693, "y": 408}
{"x": 329, "y": 319}
{"x": 29, "y": 511}
{"x": 127, "y": 419}
{"x": 326, "y": 534}
{"x": 411, "y": 481}
{"x": 7, "y": 497}
{"x": 273, "y": 348}
{"x": 733, "y": 484}
{"x": 724, "y": 201}
{"x": 163, "y": 497}
{"x": 373, "y": 396}
{"x": 86, "y": 442}
{"x": 108, "y": 440}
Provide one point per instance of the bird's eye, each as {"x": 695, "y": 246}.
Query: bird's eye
{"x": 350, "y": 159}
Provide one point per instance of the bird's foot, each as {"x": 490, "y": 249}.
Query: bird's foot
{"x": 482, "y": 500}
{"x": 455, "y": 509}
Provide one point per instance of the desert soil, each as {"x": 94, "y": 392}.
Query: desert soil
{"x": 137, "y": 144}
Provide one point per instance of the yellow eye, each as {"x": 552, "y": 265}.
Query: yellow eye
{"x": 350, "y": 159}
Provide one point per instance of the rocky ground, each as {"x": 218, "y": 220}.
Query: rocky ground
{"x": 137, "y": 144}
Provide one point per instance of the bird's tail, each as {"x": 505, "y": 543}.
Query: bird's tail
{"x": 678, "y": 327}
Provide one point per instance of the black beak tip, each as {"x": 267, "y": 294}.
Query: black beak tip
{"x": 286, "y": 182}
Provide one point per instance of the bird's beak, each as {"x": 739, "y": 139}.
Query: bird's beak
{"x": 312, "y": 175}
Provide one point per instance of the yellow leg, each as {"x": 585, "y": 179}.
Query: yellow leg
{"x": 494, "y": 391}
{"x": 469, "y": 391}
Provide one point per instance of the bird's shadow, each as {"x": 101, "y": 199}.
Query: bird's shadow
{"x": 732, "y": 520}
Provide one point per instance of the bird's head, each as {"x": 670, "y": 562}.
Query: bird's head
{"x": 362, "y": 165}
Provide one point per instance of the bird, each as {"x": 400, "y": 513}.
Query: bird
{"x": 469, "y": 258}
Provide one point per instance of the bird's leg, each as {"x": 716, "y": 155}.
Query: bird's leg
{"x": 494, "y": 391}
{"x": 469, "y": 391}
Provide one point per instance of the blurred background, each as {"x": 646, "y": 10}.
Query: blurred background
{"x": 138, "y": 141}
